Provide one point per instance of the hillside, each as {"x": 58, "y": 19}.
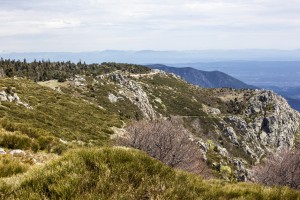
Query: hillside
{"x": 39, "y": 111}
{"x": 117, "y": 173}
{"x": 92, "y": 104}
{"x": 216, "y": 79}
{"x": 213, "y": 79}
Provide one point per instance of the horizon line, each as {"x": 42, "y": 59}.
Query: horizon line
{"x": 145, "y": 50}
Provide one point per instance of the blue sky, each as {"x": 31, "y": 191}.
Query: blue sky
{"x": 76, "y": 25}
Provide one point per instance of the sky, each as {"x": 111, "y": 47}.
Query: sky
{"x": 95, "y": 25}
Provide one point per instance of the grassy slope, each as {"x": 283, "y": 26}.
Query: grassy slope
{"x": 117, "y": 173}
{"x": 182, "y": 99}
{"x": 54, "y": 114}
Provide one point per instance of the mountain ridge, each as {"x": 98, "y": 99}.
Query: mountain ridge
{"x": 209, "y": 79}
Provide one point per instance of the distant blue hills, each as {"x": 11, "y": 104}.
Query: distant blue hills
{"x": 164, "y": 57}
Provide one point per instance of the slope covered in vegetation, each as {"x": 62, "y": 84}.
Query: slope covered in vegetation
{"x": 51, "y": 114}
{"x": 89, "y": 105}
{"x": 118, "y": 173}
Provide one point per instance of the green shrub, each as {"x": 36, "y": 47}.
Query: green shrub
{"x": 10, "y": 166}
{"x": 16, "y": 140}
{"x": 51, "y": 144}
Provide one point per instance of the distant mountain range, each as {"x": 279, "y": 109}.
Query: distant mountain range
{"x": 258, "y": 73}
{"x": 165, "y": 57}
{"x": 213, "y": 79}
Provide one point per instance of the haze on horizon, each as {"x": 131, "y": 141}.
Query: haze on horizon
{"x": 76, "y": 26}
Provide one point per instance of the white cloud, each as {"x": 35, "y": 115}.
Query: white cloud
{"x": 148, "y": 24}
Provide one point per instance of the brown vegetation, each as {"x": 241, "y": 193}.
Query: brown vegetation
{"x": 167, "y": 141}
{"x": 282, "y": 169}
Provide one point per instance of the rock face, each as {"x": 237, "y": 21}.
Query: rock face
{"x": 274, "y": 122}
{"x": 264, "y": 124}
{"x": 277, "y": 123}
{"x": 267, "y": 123}
{"x": 135, "y": 93}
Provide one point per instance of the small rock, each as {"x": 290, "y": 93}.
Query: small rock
{"x": 255, "y": 110}
{"x": 215, "y": 111}
{"x": 230, "y": 133}
{"x": 17, "y": 152}
{"x": 222, "y": 151}
{"x": 63, "y": 141}
{"x": 2, "y": 151}
{"x": 112, "y": 98}
{"x": 3, "y": 96}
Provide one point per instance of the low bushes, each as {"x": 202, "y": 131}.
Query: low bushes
{"x": 16, "y": 140}
{"x": 10, "y": 166}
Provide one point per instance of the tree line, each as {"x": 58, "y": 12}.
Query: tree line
{"x": 47, "y": 70}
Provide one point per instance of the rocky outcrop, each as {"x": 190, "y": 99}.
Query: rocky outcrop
{"x": 79, "y": 80}
{"x": 12, "y": 97}
{"x": 135, "y": 93}
{"x": 277, "y": 122}
{"x": 267, "y": 123}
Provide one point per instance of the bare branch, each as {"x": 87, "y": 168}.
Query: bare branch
{"x": 167, "y": 141}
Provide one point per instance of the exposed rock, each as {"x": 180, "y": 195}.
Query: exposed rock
{"x": 63, "y": 141}
{"x": 222, "y": 151}
{"x": 158, "y": 100}
{"x": 2, "y": 151}
{"x": 203, "y": 146}
{"x": 211, "y": 110}
{"x": 57, "y": 89}
{"x": 13, "y": 97}
{"x": 242, "y": 174}
{"x": 268, "y": 123}
{"x": 255, "y": 109}
{"x": 113, "y": 98}
{"x": 135, "y": 93}
{"x": 3, "y": 96}
{"x": 215, "y": 111}
{"x": 79, "y": 80}
{"x": 230, "y": 133}
{"x": 17, "y": 152}
{"x": 278, "y": 122}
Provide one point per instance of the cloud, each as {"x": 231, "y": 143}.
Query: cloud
{"x": 132, "y": 24}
